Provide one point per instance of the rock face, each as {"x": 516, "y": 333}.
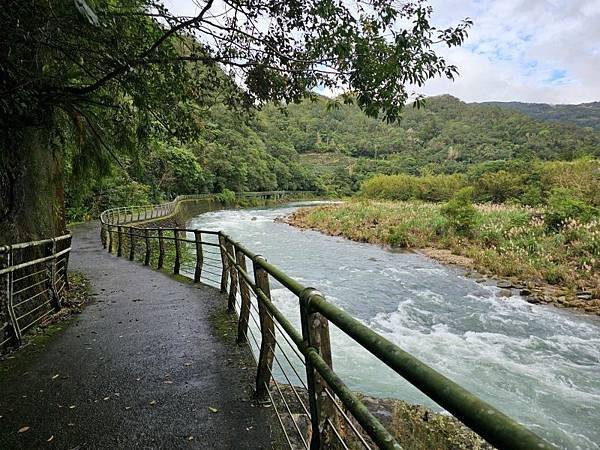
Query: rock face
{"x": 415, "y": 427}
{"x": 418, "y": 428}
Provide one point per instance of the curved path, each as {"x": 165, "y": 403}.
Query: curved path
{"x": 144, "y": 366}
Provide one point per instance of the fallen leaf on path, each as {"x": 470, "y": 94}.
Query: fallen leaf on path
{"x": 50, "y": 439}
{"x": 191, "y": 438}
{"x": 213, "y": 410}
{"x": 72, "y": 407}
{"x": 168, "y": 382}
{"x": 188, "y": 364}
{"x": 23, "y": 429}
{"x": 153, "y": 402}
{"x": 56, "y": 376}
{"x": 106, "y": 398}
{"x": 127, "y": 408}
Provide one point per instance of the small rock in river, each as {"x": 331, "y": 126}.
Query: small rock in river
{"x": 524, "y": 291}
{"x": 504, "y": 293}
{"x": 504, "y": 284}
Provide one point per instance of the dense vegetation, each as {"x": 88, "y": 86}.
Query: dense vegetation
{"x": 446, "y": 136}
{"x": 315, "y": 146}
{"x": 87, "y": 82}
{"x": 582, "y": 115}
{"x": 529, "y": 183}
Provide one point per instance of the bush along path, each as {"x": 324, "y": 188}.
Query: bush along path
{"x": 147, "y": 365}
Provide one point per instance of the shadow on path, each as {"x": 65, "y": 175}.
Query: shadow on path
{"x": 139, "y": 368}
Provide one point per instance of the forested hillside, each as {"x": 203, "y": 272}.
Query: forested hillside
{"x": 582, "y": 115}
{"x": 445, "y": 136}
{"x": 332, "y": 148}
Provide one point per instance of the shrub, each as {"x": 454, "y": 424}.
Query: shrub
{"x": 497, "y": 187}
{"x": 226, "y": 197}
{"x": 432, "y": 188}
{"x": 459, "y": 212}
{"x": 562, "y": 206}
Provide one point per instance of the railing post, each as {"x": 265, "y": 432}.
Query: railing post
{"x": 119, "y": 241}
{"x": 131, "y": 244}
{"x": 177, "y": 263}
{"x": 103, "y": 235}
{"x": 224, "y": 263}
{"x": 242, "y": 336}
{"x": 233, "y": 277}
{"x": 267, "y": 331}
{"x": 67, "y": 256}
{"x": 147, "y": 242}
{"x": 110, "y": 240}
{"x": 9, "y": 304}
{"x": 199, "y": 256}
{"x": 161, "y": 249}
{"x": 51, "y": 275}
{"x": 315, "y": 333}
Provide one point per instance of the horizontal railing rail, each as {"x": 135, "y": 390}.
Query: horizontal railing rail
{"x": 33, "y": 277}
{"x": 302, "y": 357}
{"x": 129, "y": 214}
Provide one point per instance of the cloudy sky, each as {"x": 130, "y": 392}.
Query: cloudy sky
{"x": 527, "y": 50}
{"x": 524, "y": 50}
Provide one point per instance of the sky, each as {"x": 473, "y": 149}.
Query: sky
{"x": 523, "y": 50}
{"x": 545, "y": 51}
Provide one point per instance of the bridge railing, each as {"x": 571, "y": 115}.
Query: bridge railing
{"x": 294, "y": 363}
{"x": 33, "y": 277}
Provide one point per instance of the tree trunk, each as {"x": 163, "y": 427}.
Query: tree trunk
{"x": 31, "y": 183}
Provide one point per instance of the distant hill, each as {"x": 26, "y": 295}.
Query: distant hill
{"x": 446, "y": 135}
{"x": 582, "y": 115}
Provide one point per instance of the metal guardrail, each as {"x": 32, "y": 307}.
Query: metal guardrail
{"x": 338, "y": 419}
{"x": 33, "y": 277}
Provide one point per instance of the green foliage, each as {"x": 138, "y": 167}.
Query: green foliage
{"x": 507, "y": 241}
{"x": 226, "y": 197}
{"x": 460, "y": 212}
{"x": 564, "y": 207}
{"x": 434, "y": 188}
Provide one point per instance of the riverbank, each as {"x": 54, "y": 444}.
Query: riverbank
{"x": 510, "y": 245}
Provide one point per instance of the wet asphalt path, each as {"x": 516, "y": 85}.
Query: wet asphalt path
{"x": 140, "y": 368}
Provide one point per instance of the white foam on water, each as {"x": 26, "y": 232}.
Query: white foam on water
{"x": 538, "y": 364}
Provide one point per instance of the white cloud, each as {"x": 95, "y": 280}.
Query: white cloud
{"x": 524, "y": 50}
{"x": 534, "y": 51}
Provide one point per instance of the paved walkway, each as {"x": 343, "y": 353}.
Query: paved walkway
{"x": 142, "y": 367}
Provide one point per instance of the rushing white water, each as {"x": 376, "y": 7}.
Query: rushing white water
{"x": 538, "y": 364}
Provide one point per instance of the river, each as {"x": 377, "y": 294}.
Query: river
{"x": 538, "y": 364}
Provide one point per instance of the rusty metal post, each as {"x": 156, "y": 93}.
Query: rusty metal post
{"x": 131, "y": 244}
{"x": 199, "y": 256}
{"x": 224, "y": 264}
{"x": 233, "y": 278}
{"x": 161, "y": 249}
{"x": 120, "y": 241}
{"x": 177, "y": 263}
{"x": 315, "y": 333}
{"x": 242, "y": 336}
{"x": 147, "y": 241}
{"x": 267, "y": 332}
